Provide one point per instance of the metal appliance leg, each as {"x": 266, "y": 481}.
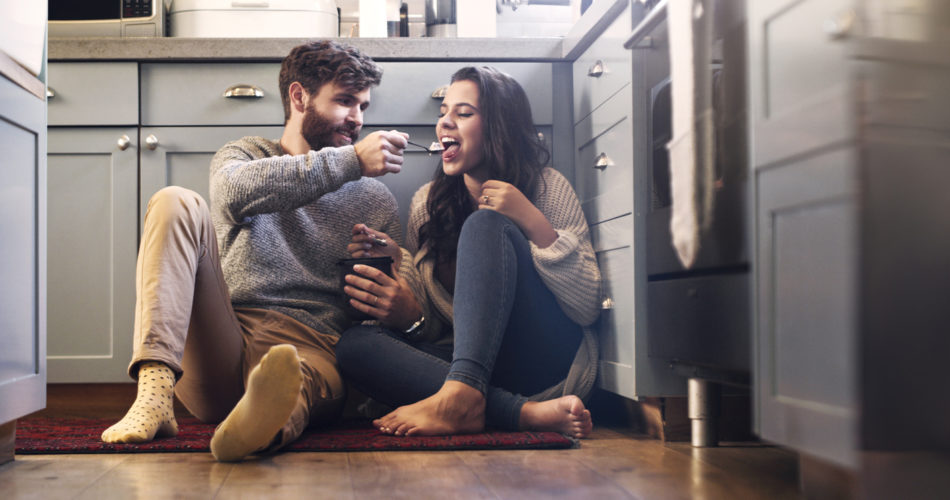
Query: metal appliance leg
{"x": 704, "y": 397}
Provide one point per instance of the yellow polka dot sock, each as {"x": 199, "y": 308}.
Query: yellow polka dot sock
{"x": 272, "y": 391}
{"x": 152, "y": 414}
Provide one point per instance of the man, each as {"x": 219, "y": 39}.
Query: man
{"x": 246, "y": 337}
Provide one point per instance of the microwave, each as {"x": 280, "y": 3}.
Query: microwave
{"x": 106, "y": 18}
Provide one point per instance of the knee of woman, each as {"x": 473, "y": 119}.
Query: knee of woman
{"x": 486, "y": 220}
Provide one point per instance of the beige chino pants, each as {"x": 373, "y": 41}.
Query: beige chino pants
{"x": 184, "y": 318}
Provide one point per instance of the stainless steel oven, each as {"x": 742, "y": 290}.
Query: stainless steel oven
{"x": 698, "y": 317}
{"x": 106, "y": 18}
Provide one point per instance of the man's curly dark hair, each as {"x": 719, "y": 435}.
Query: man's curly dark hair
{"x": 316, "y": 63}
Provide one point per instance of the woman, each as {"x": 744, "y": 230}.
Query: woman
{"x": 491, "y": 296}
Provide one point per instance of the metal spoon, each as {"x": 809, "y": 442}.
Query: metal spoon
{"x": 435, "y": 147}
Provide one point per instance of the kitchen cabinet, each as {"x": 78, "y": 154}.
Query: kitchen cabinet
{"x": 612, "y": 186}
{"x": 92, "y": 247}
{"x": 23, "y": 247}
{"x": 848, "y": 178}
{"x": 185, "y": 135}
{"x": 120, "y": 131}
{"x": 93, "y": 195}
{"x": 180, "y": 156}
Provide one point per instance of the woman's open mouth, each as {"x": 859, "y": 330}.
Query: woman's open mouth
{"x": 451, "y": 148}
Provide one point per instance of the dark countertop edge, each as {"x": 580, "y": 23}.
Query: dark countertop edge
{"x": 274, "y": 49}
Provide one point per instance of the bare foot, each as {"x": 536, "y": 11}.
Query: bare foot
{"x": 456, "y": 409}
{"x": 566, "y": 415}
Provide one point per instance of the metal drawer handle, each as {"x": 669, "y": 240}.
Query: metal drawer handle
{"x": 597, "y": 70}
{"x": 151, "y": 142}
{"x": 124, "y": 142}
{"x": 607, "y": 304}
{"x": 439, "y": 93}
{"x": 841, "y": 25}
{"x": 243, "y": 91}
{"x": 603, "y": 161}
{"x": 50, "y": 93}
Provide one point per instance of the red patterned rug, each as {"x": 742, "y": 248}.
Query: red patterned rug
{"x": 41, "y": 435}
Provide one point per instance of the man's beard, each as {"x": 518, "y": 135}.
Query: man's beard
{"x": 320, "y": 132}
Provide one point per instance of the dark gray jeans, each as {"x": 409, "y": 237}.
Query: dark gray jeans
{"x": 511, "y": 337}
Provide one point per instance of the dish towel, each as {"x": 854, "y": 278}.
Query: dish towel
{"x": 692, "y": 148}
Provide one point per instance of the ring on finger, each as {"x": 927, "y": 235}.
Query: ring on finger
{"x": 375, "y": 299}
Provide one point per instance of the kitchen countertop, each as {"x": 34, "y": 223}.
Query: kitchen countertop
{"x": 265, "y": 49}
{"x": 381, "y": 49}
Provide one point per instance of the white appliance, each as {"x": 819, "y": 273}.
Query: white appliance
{"x": 23, "y": 33}
{"x": 253, "y": 18}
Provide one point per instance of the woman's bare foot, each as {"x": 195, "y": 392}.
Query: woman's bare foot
{"x": 456, "y": 409}
{"x": 566, "y": 415}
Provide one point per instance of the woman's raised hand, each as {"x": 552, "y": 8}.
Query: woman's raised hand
{"x": 367, "y": 242}
{"x": 390, "y": 300}
{"x": 508, "y": 200}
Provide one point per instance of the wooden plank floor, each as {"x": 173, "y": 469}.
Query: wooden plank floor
{"x": 614, "y": 463}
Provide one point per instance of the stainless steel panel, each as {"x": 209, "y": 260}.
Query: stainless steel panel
{"x": 703, "y": 320}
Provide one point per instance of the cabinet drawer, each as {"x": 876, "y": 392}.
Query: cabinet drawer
{"x": 404, "y": 97}
{"x": 604, "y": 68}
{"x": 616, "y": 330}
{"x": 701, "y": 320}
{"x": 93, "y": 93}
{"x": 194, "y": 94}
{"x": 603, "y": 166}
{"x": 802, "y": 88}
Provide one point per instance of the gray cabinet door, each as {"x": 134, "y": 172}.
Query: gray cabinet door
{"x": 181, "y": 156}
{"x": 806, "y": 254}
{"x": 23, "y": 247}
{"x": 800, "y": 86}
{"x": 92, "y": 248}
{"x": 806, "y": 279}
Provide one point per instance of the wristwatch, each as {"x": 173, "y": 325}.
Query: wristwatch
{"x": 416, "y": 328}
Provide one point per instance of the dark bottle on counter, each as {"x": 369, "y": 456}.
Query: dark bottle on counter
{"x": 404, "y": 19}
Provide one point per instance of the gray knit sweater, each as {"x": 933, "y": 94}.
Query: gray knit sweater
{"x": 568, "y": 268}
{"x": 283, "y": 221}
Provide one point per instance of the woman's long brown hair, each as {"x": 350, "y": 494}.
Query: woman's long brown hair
{"x": 513, "y": 153}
